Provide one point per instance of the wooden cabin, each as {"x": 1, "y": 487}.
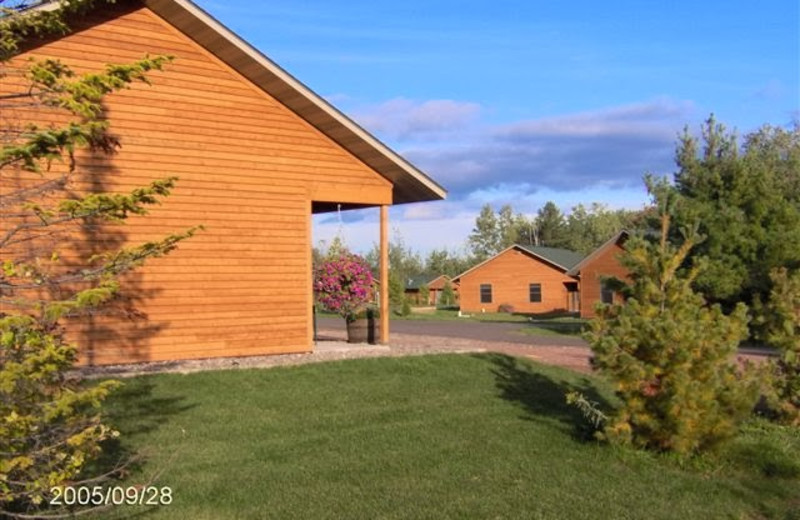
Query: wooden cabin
{"x": 256, "y": 153}
{"x": 602, "y": 263}
{"x": 525, "y": 279}
{"x": 435, "y": 284}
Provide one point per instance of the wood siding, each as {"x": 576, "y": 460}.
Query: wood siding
{"x": 248, "y": 170}
{"x": 604, "y": 263}
{"x": 438, "y": 283}
{"x": 435, "y": 288}
{"x": 510, "y": 275}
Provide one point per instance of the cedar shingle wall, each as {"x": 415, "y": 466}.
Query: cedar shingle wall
{"x": 510, "y": 275}
{"x": 248, "y": 170}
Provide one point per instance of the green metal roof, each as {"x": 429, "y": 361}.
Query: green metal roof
{"x": 416, "y": 282}
{"x": 560, "y": 257}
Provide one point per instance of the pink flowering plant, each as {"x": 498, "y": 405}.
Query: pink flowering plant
{"x": 343, "y": 284}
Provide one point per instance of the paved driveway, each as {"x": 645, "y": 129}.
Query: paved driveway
{"x": 568, "y": 351}
{"x": 480, "y": 331}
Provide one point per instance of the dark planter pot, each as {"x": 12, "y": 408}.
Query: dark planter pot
{"x": 363, "y": 330}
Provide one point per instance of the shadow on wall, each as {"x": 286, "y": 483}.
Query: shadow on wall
{"x": 118, "y": 326}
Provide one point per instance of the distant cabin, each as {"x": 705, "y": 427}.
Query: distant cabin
{"x": 543, "y": 280}
{"x": 601, "y": 264}
{"x": 528, "y": 279}
{"x": 256, "y": 152}
{"x": 435, "y": 284}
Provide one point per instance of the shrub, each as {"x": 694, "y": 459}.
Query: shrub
{"x": 397, "y": 290}
{"x": 424, "y": 294}
{"x": 448, "y": 297}
{"x": 51, "y": 425}
{"x": 506, "y": 308}
{"x": 669, "y": 354}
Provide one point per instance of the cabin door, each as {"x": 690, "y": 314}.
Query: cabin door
{"x": 573, "y": 297}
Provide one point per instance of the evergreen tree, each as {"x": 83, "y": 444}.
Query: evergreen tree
{"x": 670, "y": 355}
{"x": 550, "y": 225}
{"x": 525, "y": 230}
{"x": 506, "y": 227}
{"x": 578, "y": 235}
{"x": 781, "y": 318}
{"x": 397, "y": 292}
{"x": 442, "y": 261}
{"x": 424, "y": 294}
{"x": 448, "y": 296}
{"x": 337, "y": 248}
{"x": 403, "y": 261}
{"x": 485, "y": 238}
{"x": 51, "y": 424}
{"x": 587, "y": 229}
{"x": 747, "y": 202}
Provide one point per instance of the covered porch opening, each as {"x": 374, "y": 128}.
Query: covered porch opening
{"x": 321, "y": 207}
{"x": 573, "y": 297}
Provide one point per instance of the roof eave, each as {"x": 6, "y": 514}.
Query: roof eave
{"x": 575, "y": 271}
{"x": 410, "y": 184}
{"x": 518, "y": 248}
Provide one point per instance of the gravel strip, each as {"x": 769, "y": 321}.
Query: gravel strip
{"x": 331, "y": 346}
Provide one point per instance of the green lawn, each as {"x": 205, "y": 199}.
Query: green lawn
{"x": 452, "y": 315}
{"x": 556, "y": 325}
{"x": 440, "y": 314}
{"x": 424, "y": 437}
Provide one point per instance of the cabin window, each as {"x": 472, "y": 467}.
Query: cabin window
{"x": 606, "y": 294}
{"x": 486, "y": 293}
{"x": 535, "y": 292}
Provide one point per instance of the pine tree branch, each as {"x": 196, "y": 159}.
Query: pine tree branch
{"x": 17, "y": 26}
{"x": 82, "y": 97}
{"x": 112, "y": 208}
{"x": 25, "y": 194}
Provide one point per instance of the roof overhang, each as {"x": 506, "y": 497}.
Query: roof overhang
{"x": 410, "y": 184}
{"x": 576, "y": 270}
{"x": 521, "y": 249}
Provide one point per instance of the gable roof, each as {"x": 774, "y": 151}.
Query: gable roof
{"x": 410, "y": 183}
{"x": 576, "y": 269}
{"x": 415, "y": 282}
{"x": 561, "y": 259}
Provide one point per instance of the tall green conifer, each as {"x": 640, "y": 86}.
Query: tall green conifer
{"x": 670, "y": 355}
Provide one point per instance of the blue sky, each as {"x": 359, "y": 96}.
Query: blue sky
{"x": 523, "y": 102}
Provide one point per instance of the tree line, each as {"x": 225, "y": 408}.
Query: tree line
{"x": 582, "y": 230}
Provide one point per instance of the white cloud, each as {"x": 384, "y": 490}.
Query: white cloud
{"x": 594, "y": 156}
{"x": 772, "y": 90}
{"x": 421, "y": 234}
{"x": 655, "y": 118}
{"x": 611, "y": 147}
{"x": 405, "y": 119}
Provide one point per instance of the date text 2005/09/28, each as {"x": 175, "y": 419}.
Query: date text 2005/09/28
{"x": 117, "y": 495}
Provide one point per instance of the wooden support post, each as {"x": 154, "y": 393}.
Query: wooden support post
{"x": 384, "y": 337}
{"x": 312, "y": 317}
